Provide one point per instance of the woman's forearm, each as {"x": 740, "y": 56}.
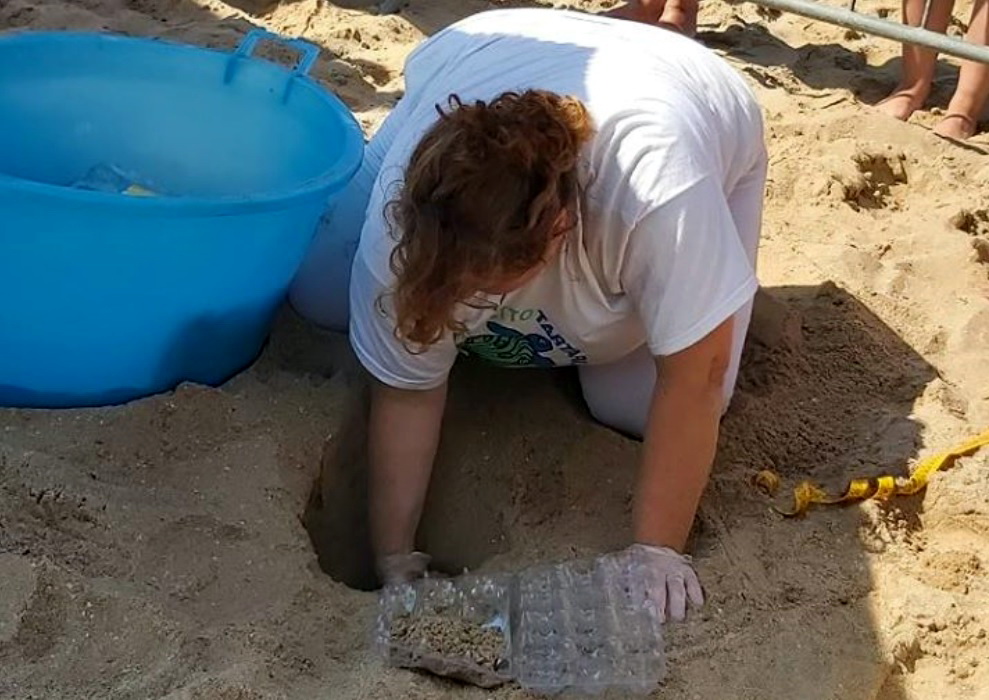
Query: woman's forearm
{"x": 681, "y": 438}
{"x": 403, "y": 434}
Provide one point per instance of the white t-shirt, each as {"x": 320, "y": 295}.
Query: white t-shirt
{"x": 656, "y": 258}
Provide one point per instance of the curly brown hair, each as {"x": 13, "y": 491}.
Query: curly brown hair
{"x": 483, "y": 197}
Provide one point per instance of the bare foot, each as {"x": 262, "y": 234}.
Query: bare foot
{"x": 956, "y": 126}
{"x": 903, "y": 102}
{"x": 637, "y": 11}
{"x": 674, "y": 17}
{"x": 680, "y": 17}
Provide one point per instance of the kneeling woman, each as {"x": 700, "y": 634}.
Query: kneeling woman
{"x": 554, "y": 189}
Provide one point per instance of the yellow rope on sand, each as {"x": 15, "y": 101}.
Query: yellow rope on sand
{"x": 806, "y": 493}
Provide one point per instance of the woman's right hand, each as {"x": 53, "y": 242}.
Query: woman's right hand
{"x": 402, "y": 568}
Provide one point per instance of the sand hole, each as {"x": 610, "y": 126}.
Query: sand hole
{"x": 873, "y": 184}
{"x": 336, "y": 514}
{"x": 463, "y": 518}
{"x": 974, "y": 223}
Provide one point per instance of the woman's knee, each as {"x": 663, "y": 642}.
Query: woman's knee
{"x": 616, "y": 417}
{"x": 320, "y": 290}
{"x": 619, "y": 394}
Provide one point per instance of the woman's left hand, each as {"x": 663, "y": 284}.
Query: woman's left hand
{"x": 670, "y": 581}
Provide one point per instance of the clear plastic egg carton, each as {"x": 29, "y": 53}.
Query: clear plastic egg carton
{"x": 459, "y": 628}
{"x": 578, "y": 627}
{"x": 582, "y": 627}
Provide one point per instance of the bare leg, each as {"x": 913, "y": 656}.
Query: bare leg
{"x": 647, "y": 11}
{"x": 678, "y": 15}
{"x": 681, "y": 15}
{"x": 973, "y": 82}
{"x": 918, "y": 63}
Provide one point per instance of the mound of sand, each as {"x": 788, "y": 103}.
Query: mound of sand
{"x": 162, "y": 549}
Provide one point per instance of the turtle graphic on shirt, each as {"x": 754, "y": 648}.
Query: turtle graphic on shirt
{"x": 507, "y": 346}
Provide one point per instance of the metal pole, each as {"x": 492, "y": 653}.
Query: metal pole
{"x": 881, "y": 27}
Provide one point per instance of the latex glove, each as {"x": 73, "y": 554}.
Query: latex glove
{"x": 402, "y": 568}
{"x": 670, "y": 580}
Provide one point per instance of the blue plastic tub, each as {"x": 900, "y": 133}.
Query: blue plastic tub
{"x": 106, "y": 297}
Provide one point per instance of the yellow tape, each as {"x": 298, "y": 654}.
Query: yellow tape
{"x": 767, "y": 482}
{"x": 806, "y": 493}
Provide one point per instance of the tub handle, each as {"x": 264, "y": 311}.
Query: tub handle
{"x": 308, "y": 53}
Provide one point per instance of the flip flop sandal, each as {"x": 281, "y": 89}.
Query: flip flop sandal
{"x": 972, "y": 125}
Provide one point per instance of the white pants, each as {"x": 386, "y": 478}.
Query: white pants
{"x": 321, "y": 289}
{"x": 618, "y": 394}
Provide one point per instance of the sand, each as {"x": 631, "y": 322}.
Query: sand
{"x": 160, "y": 549}
{"x": 450, "y": 646}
